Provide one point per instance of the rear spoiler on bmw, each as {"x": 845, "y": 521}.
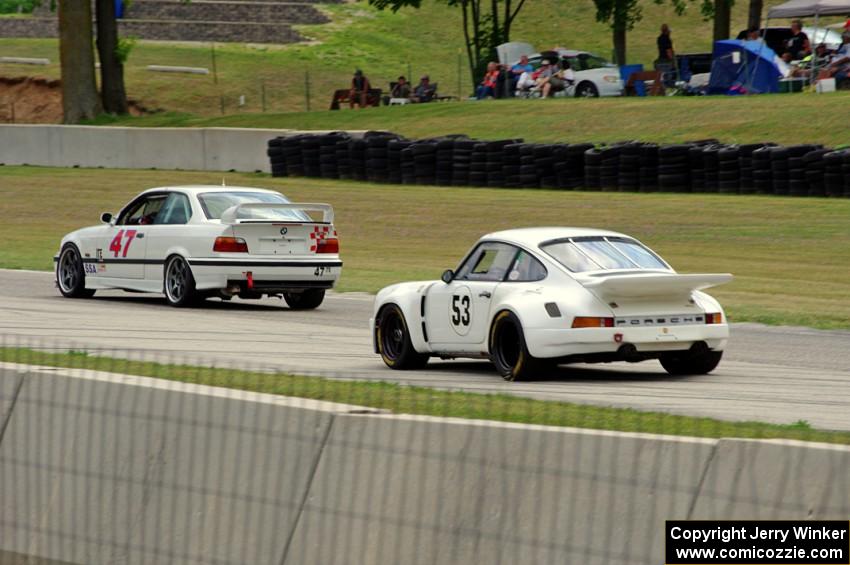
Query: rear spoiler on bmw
{"x": 231, "y": 215}
{"x": 654, "y": 285}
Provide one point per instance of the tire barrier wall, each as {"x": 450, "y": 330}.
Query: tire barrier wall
{"x": 104, "y": 468}
{"x": 698, "y": 166}
{"x": 211, "y": 149}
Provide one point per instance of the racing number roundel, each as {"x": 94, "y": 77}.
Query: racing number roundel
{"x": 460, "y": 310}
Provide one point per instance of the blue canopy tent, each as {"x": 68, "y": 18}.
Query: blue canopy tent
{"x": 743, "y": 67}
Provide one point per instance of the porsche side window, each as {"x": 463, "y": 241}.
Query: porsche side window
{"x": 176, "y": 210}
{"x": 526, "y": 269}
{"x": 490, "y": 262}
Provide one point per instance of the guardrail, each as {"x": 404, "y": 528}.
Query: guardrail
{"x": 102, "y": 467}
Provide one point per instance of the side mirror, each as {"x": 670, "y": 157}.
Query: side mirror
{"x": 106, "y": 217}
{"x": 448, "y": 276}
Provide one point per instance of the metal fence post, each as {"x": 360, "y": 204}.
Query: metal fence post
{"x": 307, "y": 88}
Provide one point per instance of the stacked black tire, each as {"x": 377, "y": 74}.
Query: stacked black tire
{"x": 700, "y": 166}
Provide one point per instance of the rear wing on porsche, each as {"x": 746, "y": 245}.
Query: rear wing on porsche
{"x": 232, "y": 214}
{"x": 653, "y": 285}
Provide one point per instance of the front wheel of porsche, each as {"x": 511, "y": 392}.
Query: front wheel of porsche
{"x": 394, "y": 343}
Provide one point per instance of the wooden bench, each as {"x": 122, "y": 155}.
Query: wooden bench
{"x": 343, "y": 96}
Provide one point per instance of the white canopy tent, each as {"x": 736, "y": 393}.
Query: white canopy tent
{"x": 802, "y": 8}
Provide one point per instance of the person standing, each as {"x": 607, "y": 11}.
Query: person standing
{"x": 359, "y": 89}
{"x": 665, "y": 45}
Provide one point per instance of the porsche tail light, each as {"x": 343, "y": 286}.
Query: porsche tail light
{"x": 230, "y": 245}
{"x": 592, "y": 322}
{"x": 716, "y": 318}
{"x": 329, "y": 245}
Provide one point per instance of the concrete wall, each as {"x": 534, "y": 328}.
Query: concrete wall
{"x": 102, "y": 468}
{"x": 214, "y": 149}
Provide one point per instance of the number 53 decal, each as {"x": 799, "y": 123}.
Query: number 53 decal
{"x": 116, "y": 246}
{"x": 460, "y": 310}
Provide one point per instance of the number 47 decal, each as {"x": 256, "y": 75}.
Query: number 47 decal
{"x": 116, "y": 246}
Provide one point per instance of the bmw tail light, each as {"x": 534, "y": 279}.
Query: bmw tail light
{"x": 230, "y": 245}
{"x": 714, "y": 318}
{"x": 328, "y": 245}
{"x": 592, "y": 322}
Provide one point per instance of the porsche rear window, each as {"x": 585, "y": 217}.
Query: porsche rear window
{"x": 583, "y": 254}
{"x": 215, "y": 203}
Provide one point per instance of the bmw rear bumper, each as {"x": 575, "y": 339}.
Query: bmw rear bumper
{"x": 264, "y": 275}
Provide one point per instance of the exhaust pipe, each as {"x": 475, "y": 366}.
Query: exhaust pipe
{"x": 628, "y": 352}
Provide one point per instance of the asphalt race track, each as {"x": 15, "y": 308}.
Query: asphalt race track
{"x": 769, "y": 374}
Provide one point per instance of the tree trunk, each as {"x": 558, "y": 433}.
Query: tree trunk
{"x": 113, "y": 94}
{"x": 754, "y": 14}
{"x": 722, "y": 15}
{"x": 620, "y": 45}
{"x": 76, "y": 56}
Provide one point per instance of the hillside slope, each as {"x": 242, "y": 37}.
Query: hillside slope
{"x": 383, "y": 44}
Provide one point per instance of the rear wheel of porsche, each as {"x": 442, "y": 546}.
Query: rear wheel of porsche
{"x": 691, "y": 363}
{"x": 305, "y": 300}
{"x": 394, "y": 343}
{"x": 509, "y": 352}
{"x": 70, "y": 275}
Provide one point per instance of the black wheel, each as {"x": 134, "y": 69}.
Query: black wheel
{"x": 587, "y": 90}
{"x": 508, "y": 350}
{"x": 179, "y": 283}
{"x": 691, "y": 363}
{"x": 305, "y": 300}
{"x": 70, "y": 275}
{"x": 393, "y": 339}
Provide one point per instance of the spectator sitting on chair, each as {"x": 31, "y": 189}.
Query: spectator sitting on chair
{"x": 839, "y": 66}
{"x": 400, "y": 90}
{"x": 797, "y": 46}
{"x": 519, "y": 69}
{"x": 541, "y": 76}
{"x": 560, "y": 80}
{"x": 424, "y": 91}
{"x": 359, "y": 90}
{"x": 488, "y": 85}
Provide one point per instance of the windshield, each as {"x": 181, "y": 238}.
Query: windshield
{"x": 586, "y": 61}
{"x": 580, "y": 254}
{"x": 215, "y": 203}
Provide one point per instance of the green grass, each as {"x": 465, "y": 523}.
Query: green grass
{"x": 411, "y": 42}
{"x": 781, "y": 118}
{"x": 403, "y": 399}
{"x": 789, "y": 256}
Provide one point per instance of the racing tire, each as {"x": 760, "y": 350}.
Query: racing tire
{"x": 587, "y": 90}
{"x": 691, "y": 363}
{"x": 179, "y": 283}
{"x": 309, "y": 299}
{"x": 509, "y": 352}
{"x": 70, "y": 275}
{"x": 393, "y": 339}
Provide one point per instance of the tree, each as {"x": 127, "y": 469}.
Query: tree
{"x": 486, "y": 25}
{"x": 722, "y": 19}
{"x": 754, "y": 13}
{"x": 622, "y": 15}
{"x": 76, "y": 57}
{"x": 113, "y": 93}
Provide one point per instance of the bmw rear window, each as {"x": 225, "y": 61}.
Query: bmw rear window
{"x": 215, "y": 203}
{"x": 582, "y": 254}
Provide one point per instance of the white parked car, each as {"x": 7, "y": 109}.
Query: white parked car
{"x": 594, "y": 76}
{"x": 194, "y": 242}
{"x": 533, "y": 297}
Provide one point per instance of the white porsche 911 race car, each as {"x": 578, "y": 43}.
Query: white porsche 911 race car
{"x": 194, "y": 242}
{"x": 533, "y": 297}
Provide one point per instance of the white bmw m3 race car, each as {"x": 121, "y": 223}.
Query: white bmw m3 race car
{"x": 194, "y": 242}
{"x": 534, "y": 297}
